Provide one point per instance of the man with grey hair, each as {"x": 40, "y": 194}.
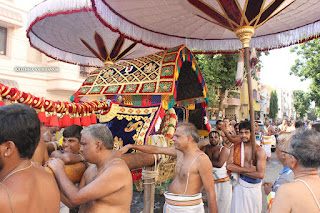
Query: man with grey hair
{"x": 302, "y": 156}
{"x": 104, "y": 182}
{"x": 193, "y": 171}
{"x": 286, "y": 175}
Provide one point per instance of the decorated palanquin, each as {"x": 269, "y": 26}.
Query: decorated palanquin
{"x": 170, "y": 77}
{"x": 155, "y": 92}
{"x": 130, "y": 124}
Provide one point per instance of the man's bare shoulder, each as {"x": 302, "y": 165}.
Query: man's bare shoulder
{"x": 287, "y": 190}
{"x": 43, "y": 176}
{"x": 119, "y": 166}
{"x": 260, "y": 150}
{"x": 202, "y": 157}
{"x": 33, "y": 180}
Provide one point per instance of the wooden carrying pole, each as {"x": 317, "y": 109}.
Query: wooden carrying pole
{"x": 133, "y": 160}
{"x": 149, "y": 193}
{"x": 245, "y": 33}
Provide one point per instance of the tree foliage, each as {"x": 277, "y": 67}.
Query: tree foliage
{"x": 313, "y": 114}
{"x": 273, "y": 105}
{"x": 301, "y": 102}
{"x": 307, "y": 66}
{"x": 219, "y": 72}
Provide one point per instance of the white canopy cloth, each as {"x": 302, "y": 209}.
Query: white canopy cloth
{"x": 209, "y": 25}
{"x": 56, "y": 27}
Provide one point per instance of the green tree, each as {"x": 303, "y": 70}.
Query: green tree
{"x": 301, "y": 102}
{"x": 307, "y": 66}
{"x": 219, "y": 72}
{"x": 273, "y": 105}
{"x": 313, "y": 114}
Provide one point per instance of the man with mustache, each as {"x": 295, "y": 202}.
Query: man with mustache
{"x": 218, "y": 155}
{"x": 247, "y": 195}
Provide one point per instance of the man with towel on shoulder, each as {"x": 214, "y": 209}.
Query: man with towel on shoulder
{"x": 247, "y": 195}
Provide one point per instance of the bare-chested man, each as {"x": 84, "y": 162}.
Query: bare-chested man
{"x": 218, "y": 155}
{"x": 247, "y": 195}
{"x": 302, "y": 156}
{"x": 193, "y": 171}
{"x": 227, "y": 137}
{"x": 23, "y": 188}
{"x": 70, "y": 154}
{"x": 106, "y": 185}
{"x": 268, "y": 139}
{"x": 222, "y": 129}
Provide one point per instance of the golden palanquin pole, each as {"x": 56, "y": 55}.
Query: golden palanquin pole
{"x": 245, "y": 33}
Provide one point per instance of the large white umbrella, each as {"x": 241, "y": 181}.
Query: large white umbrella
{"x": 213, "y": 26}
{"x": 69, "y": 31}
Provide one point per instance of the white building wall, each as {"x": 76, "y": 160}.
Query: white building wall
{"x": 51, "y": 85}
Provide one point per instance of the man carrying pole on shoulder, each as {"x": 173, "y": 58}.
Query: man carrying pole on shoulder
{"x": 247, "y": 195}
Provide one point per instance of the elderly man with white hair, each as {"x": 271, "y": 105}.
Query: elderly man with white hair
{"x": 302, "y": 156}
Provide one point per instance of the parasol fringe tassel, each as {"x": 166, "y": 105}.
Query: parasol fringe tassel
{"x": 266, "y": 42}
{"x": 276, "y": 40}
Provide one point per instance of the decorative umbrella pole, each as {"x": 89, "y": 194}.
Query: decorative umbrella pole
{"x": 245, "y": 33}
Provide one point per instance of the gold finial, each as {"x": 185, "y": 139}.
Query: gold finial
{"x": 245, "y": 33}
{"x": 107, "y": 63}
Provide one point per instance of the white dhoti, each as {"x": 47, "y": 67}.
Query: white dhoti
{"x": 246, "y": 198}
{"x": 266, "y": 144}
{"x": 183, "y": 203}
{"x": 223, "y": 188}
{"x": 223, "y": 196}
{"x": 64, "y": 208}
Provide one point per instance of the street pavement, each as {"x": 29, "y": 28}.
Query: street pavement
{"x": 273, "y": 169}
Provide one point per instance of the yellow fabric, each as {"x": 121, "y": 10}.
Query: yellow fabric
{"x": 61, "y": 141}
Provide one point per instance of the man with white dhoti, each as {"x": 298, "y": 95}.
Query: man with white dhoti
{"x": 247, "y": 194}
{"x": 193, "y": 172}
{"x": 268, "y": 139}
{"x": 218, "y": 155}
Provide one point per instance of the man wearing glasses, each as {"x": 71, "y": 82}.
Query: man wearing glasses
{"x": 302, "y": 156}
{"x": 286, "y": 175}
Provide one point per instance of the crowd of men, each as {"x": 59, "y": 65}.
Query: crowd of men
{"x": 224, "y": 165}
